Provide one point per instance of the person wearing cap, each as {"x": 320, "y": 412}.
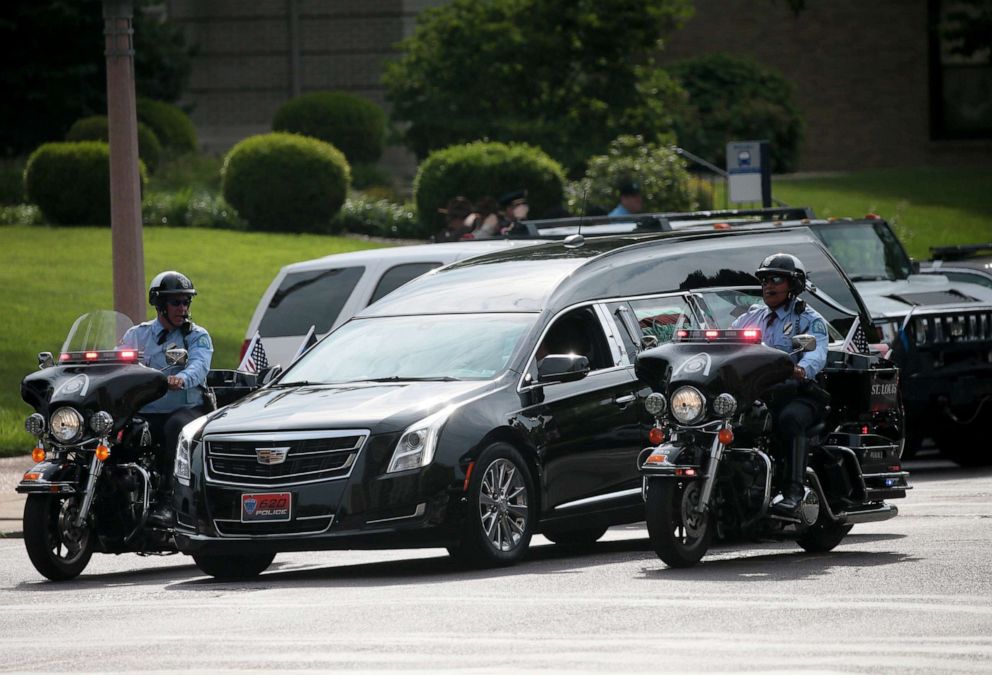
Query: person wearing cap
{"x": 514, "y": 209}
{"x": 455, "y": 215}
{"x": 630, "y": 200}
{"x": 485, "y": 220}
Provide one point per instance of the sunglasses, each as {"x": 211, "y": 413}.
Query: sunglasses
{"x": 773, "y": 279}
{"x": 180, "y": 302}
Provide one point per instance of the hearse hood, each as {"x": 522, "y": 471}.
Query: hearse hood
{"x": 929, "y": 291}
{"x": 380, "y": 407}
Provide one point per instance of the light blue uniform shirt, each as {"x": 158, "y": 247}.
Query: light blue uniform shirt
{"x": 786, "y": 324}
{"x": 620, "y": 210}
{"x": 145, "y": 338}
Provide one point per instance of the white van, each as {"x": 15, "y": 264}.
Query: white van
{"x": 326, "y": 292}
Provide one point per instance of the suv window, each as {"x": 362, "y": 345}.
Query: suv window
{"x": 578, "y": 332}
{"x": 866, "y": 251}
{"x": 398, "y": 275}
{"x": 660, "y": 317}
{"x": 305, "y": 298}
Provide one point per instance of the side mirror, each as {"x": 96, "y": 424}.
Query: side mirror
{"x": 804, "y": 342}
{"x": 45, "y": 360}
{"x": 649, "y": 341}
{"x": 176, "y": 357}
{"x": 269, "y": 374}
{"x": 562, "y": 368}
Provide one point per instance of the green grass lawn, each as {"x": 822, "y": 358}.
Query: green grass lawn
{"x": 52, "y": 275}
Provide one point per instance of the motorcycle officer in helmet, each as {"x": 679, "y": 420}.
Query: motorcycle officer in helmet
{"x": 171, "y": 293}
{"x": 782, "y": 316}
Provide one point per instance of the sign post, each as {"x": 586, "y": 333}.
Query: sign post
{"x": 749, "y": 172}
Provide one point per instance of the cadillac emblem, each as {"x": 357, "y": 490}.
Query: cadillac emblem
{"x": 271, "y": 455}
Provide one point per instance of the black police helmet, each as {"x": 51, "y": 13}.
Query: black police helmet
{"x": 787, "y": 265}
{"x": 169, "y": 284}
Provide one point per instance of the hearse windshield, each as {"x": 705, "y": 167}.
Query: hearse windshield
{"x": 866, "y": 251}
{"x": 410, "y": 348}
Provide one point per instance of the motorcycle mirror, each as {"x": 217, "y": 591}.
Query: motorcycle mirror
{"x": 176, "y": 357}
{"x": 649, "y": 341}
{"x": 804, "y": 342}
{"x": 45, "y": 360}
{"x": 269, "y": 374}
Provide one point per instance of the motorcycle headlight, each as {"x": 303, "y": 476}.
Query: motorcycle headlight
{"x": 655, "y": 404}
{"x": 417, "y": 444}
{"x": 101, "y": 423}
{"x": 67, "y": 425}
{"x": 724, "y": 405}
{"x": 184, "y": 449}
{"x": 688, "y": 405}
{"x": 35, "y": 425}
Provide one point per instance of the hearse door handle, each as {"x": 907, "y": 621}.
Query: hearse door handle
{"x": 624, "y": 400}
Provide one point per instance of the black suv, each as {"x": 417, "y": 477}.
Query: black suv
{"x": 476, "y": 405}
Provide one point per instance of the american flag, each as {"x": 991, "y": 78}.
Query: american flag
{"x": 255, "y": 359}
{"x": 856, "y": 340}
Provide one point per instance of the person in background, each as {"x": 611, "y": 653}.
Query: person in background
{"x": 485, "y": 220}
{"x": 631, "y": 201}
{"x": 514, "y": 208}
{"x": 456, "y": 226}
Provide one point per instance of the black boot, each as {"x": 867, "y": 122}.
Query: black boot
{"x": 788, "y": 503}
{"x": 160, "y": 513}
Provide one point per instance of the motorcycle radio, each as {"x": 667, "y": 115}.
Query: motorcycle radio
{"x": 111, "y": 356}
{"x": 745, "y": 335}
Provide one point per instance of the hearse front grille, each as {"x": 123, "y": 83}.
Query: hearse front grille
{"x": 234, "y": 528}
{"x": 270, "y": 460}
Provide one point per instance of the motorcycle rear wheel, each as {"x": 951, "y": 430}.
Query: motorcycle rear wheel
{"x": 679, "y": 538}
{"x": 57, "y": 549}
{"x": 234, "y": 567}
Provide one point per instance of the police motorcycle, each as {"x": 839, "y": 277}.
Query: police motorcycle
{"x": 90, "y": 489}
{"x": 711, "y": 471}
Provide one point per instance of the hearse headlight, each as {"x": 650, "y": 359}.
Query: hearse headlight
{"x": 688, "y": 405}
{"x": 417, "y": 444}
{"x": 35, "y": 425}
{"x": 724, "y": 405}
{"x": 184, "y": 449}
{"x": 67, "y": 425}
{"x": 101, "y": 423}
{"x": 655, "y": 404}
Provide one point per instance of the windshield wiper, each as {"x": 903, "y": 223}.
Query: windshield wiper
{"x": 297, "y": 383}
{"x": 397, "y": 378}
{"x": 869, "y": 277}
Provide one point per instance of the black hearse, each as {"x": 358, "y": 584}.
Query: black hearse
{"x": 475, "y": 406}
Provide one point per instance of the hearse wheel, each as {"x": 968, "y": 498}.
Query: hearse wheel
{"x": 233, "y": 567}
{"x": 501, "y": 510}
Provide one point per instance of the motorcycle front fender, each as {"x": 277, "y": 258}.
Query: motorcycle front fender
{"x": 50, "y": 477}
{"x": 666, "y": 460}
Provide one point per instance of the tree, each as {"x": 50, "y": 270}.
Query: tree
{"x": 567, "y": 77}
{"x": 55, "y": 69}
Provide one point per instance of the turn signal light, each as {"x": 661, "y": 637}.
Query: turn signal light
{"x": 726, "y": 436}
{"x": 468, "y": 476}
{"x": 102, "y": 452}
{"x": 656, "y": 436}
{"x": 32, "y": 476}
{"x": 38, "y": 455}
{"x": 690, "y": 472}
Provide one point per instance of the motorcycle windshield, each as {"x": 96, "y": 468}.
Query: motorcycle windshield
{"x": 96, "y": 332}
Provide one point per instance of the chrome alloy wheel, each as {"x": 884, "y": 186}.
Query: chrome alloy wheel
{"x": 503, "y": 505}
{"x": 693, "y": 522}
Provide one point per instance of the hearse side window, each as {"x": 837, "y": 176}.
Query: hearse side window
{"x": 660, "y": 317}
{"x": 722, "y": 306}
{"x": 578, "y": 332}
{"x": 304, "y": 297}
{"x": 398, "y": 275}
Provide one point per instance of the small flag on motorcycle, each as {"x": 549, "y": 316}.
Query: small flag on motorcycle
{"x": 255, "y": 359}
{"x": 309, "y": 340}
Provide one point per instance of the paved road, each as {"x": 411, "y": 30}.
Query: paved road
{"x": 911, "y": 595}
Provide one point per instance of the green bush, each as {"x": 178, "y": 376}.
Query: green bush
{"x": 97, "y": 128}
{"x": 482, "y": 169}
{"x": 352, "y": 124}
{"x": 286, "y": 183}
{"x": 190, "y": 170}
{"x": 732, "y": 99}
{"x": 70, "y": 182}
{"x": 378, "y": 218}
{"x": 661, "y": 173}
{"x": 11, "y": 181}
{"x": 173, "y": 127}
{"x": 21, "y": 214}
{"x": 189, "y": 207}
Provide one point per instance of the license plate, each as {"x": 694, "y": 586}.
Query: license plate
{"x": 266, "y": 506}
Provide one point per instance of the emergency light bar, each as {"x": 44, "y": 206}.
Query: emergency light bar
{"x": 113, "y": 356}
{"x": 749, "y": 335}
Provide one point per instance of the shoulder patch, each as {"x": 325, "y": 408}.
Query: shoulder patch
{"x": 818, "y": 327}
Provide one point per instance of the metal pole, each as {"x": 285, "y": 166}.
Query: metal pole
{"x": 125, "y": 186}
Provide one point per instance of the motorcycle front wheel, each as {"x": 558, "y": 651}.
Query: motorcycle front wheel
{"x": 57, "y": 548}
{"x": 679, "y": 535}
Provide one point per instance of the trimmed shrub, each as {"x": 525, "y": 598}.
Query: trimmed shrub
{"x": 173, "y": 127}
{"x": 484, "y": 169}
{"x": 354, "y": 125}
{"x": 661, "y": 173}
{"x": 21, "y": 214}
{"x": 377, "y": 218}
{"x": 97, "y": 128}
{"x": 734, "y": 98}
{"x": 285, "y": 183}
{"x": 70, "y": 182}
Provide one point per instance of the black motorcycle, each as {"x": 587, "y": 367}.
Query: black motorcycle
{"x": 95, "y": 473}
{"x": 711, "y": 471}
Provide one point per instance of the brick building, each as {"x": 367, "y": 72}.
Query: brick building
{"x": 874, "y": 84}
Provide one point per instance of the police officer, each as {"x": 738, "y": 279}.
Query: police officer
{"x": 171, "y": 293}
{"x": 782, "y": 316}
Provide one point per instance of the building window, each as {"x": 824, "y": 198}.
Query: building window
{"x": 960, "y": 69}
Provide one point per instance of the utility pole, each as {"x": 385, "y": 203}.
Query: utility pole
{"x": 125, "y": 184}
